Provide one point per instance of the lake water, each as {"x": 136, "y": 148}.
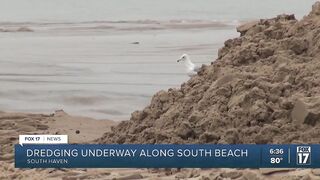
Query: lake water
{"x": 106, "y": 58}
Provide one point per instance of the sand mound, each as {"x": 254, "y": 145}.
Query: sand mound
{"x": 263, "y": 88}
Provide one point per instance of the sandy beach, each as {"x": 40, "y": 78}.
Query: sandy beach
{"x": 13, "y": 124}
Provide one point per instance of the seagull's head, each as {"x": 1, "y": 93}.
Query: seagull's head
{"x": 183, "y": 58}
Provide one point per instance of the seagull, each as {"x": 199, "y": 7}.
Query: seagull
{"x": 191, "y": 68}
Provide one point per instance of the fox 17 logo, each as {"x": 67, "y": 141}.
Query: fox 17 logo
{"x": 303, "y": 155}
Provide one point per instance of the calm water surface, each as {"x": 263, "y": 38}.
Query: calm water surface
{"x": 82, "y": 56}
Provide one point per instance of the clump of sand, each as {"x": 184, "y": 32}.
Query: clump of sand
{"x": 250, "y": 94}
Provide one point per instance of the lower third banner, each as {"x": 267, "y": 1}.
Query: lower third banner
{"x": 166, "y": 156}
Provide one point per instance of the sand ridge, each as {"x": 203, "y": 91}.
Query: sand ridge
{"x": 13, "y": 124}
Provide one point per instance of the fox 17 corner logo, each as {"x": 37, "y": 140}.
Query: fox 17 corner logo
{"x": 303, "y": 155}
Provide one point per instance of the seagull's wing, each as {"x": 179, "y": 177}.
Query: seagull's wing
{"x": 197, "y": 68}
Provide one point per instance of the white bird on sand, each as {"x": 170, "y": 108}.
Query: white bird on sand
{"x": 191, "y": 68}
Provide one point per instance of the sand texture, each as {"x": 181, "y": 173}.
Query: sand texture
{"x": 13, "y": 124}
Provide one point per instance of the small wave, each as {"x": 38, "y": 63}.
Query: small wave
{"x": 19, "y": 29}
{"x": 33, "y": 75}
{"x": 110, "y": 112}
{"x": 83, "y": 100}
{"x": 104, "y": 95}
{"x": 174, "y": 24}
{"x": 144, "y": 21}
{"x": 121, "y": 25}
{"x": 80, "y": 28}
{"x": 159, "y": 22}
{"x": 86, "y": 83}
{"x": 141, "y": 28}
{"x": 147, "y": 21}
{"x": 149, "y": 73}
